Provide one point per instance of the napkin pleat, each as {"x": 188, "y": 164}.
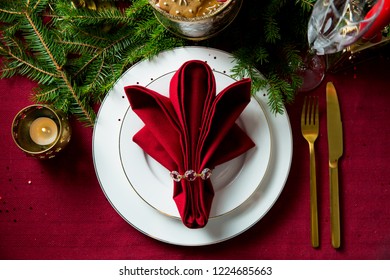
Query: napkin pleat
{"x": 160, "y": 119}
{"x": 200, "y": 194}
{"x": 190, "y": 98}
{"x": 235, "y": 144}
{"x": 153, "y": 148}
{"x": 225, "y": 110}
{"x": 193, "y": 129}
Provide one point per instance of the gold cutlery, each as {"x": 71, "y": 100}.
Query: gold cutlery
{"x": 310, "y": 128}
{"x": 335, "y": 146}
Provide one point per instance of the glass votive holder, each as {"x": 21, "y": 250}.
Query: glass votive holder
{"x": 199, "y": 27}
{"x": 41, "y": 131}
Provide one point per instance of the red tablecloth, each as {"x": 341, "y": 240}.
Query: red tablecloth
{"x": 56, "y": 209}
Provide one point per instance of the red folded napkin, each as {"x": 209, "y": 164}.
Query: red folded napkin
{"x": 191, "y": 132}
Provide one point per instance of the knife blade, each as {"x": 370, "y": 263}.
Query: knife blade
{"x": 335, "y": 148}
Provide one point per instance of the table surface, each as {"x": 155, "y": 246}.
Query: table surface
{"x": 56, "y": 209}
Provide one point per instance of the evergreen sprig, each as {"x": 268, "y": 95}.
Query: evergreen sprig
{"x": 275, "y": 50}
{"x": 38, "y": 55}
{"x": 77, "y": 54}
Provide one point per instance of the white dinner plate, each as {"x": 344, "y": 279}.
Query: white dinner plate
{"x": 113, "y": 152}
{"x": 233, "y": 182}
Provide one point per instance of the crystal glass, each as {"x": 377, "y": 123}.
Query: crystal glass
{"x": 333, "y": 26}
{"x": 336, "y": 24}
{"x": 311, "y": 70}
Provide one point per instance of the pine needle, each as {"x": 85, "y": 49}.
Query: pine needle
{"x": 76, "y": 54}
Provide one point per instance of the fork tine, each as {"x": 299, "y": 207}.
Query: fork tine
{"x": 308, "y": 111}
{"x": 314, "y": 115}
{"x": 304, "y": 109}
{"x": 310, "y": 114}
{"x": 312, "y": 111}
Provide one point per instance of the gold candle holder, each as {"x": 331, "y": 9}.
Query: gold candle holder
{"x": 41, "y": 131}
{"x": 199, "y": 27}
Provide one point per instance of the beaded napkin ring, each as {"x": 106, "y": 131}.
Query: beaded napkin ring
{"x": 191, "y": 175}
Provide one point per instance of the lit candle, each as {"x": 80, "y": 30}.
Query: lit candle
{"x": 380, "y": 22}
{"x": 43, "y": 131}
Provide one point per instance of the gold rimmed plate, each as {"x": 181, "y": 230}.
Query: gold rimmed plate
{"x": 115, "y": 157}
{"x": 234, "y": 181}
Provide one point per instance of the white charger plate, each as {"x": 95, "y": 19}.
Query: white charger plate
{"x": 233, "y": 182}
{"x": 109, "y": 166}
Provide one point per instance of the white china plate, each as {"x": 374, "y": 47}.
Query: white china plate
{"x": 108, "y": 148}
{"x": 234, "y": 181}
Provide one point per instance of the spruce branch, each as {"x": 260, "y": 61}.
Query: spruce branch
{"x": 47, "y": 57}
{"x": 55, "y": 60}
{"x": 275, "y": 98}
{"x": 25, "y": 67}
{"x": 276, "y": 54}
{"x": 77, "y": 54}
{"x": 306, "y": 5}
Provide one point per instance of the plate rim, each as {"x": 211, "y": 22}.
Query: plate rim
{"x": 247, "y": 215}
{"x": 252, "y": 188}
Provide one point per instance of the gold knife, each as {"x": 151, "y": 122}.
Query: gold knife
{"x": 335, "y": 146}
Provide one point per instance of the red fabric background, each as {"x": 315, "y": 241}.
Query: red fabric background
{"x": 56, "y": 209}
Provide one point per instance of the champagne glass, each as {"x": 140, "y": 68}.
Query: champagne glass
{"x": 337, "y": 24}
{"x": 333, "y": 26}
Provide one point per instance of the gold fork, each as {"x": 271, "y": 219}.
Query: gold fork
{"x": 310, "y": 127}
